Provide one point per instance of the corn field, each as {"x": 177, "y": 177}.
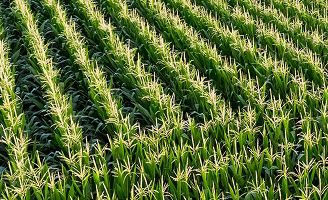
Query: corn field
{"x": 163, "y": 99}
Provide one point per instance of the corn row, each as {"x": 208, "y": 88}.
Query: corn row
{"x": 314, "y": 8}
{"x": 184, "y": 77}
{"x": 229, "y": 140}
{"x": 269, "y": 37}
{"x": 297, "y": 59}
{"x": 26, "y": 172}
{"x": 166, "y": 113}
{"x": 141, "y": 140}
{"x": 12, "y": 115}
{"x": 266, "y": 140}
{"x": 231, "y": 45}
{"x": 290, "y": 53}
{"x": 215, "y": 160}
{"x": 314, "y": 4}
{"x": 297, "y": 10}
{"x": 318, "y": 7}
{"x": 69, "y": 132}
{"x": 293, "y": 29}
{"x": 202, "y": 54}
{"x": 159, "y": 107}
{"x": 21, "y": 176}
{"x": 168, "y": 166}
{"x": 301, "y": 59}
{"x": 276, "y": 139}
{"x": 287, "y": 52}
{"x": 244, "y": 89}
{"x": 100, "y": 91}
{"x": 132, "y": 21}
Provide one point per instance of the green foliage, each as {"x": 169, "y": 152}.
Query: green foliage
{"x": 296, "y": 9}
{"x": 186, "y": 99}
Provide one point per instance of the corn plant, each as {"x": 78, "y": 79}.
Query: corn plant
{"x": 292, "y": 28}
{"x": 169, "y": 99}
{"x": 318, "y": 7}
{"x": 186, "y": 8}
{"x": 160, "y": 108}
{"x": 187, "y": 81}
{"x": 278, "y": 44}
{"x": 295, "y": 9}
{"x": 22, "y": 176}
{"x": 149, "y": 91}
{"x": 201, "y": 54}
{"x": 100, "y": 91}
{"x": 201, "y": 20}
{"x": 68, "y": 134}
